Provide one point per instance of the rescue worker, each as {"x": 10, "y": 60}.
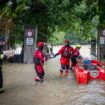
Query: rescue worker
{"x": 65, "y": 53}
{"x": 39, "y": 62}
{"x": 75, "y": 54}
{"x": 2, "y": 42}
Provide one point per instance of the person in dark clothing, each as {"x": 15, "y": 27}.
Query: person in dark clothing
{"x": 2, "y": 42}
{"x": 75, "y": 54}
{"x": 1, "y": 76}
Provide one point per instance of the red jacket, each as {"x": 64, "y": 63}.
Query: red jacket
{"x": 38, "y": 57}
{"x": 76, "y": 52}
{"x": 66, "y": 51}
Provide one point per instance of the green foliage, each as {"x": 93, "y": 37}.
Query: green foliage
{"x": 52, "y": 17}
{"x": 101, "y": 5}
{"x": 57, "y": 37}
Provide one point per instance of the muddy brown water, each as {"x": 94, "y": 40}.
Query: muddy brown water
{"x": 20, "y": 88}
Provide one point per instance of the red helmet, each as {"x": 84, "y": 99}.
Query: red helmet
{"x": 66, "y": 41}
{"x": 40, "y": 44}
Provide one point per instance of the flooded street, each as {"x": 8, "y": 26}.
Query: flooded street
{"x": 20, "y": 88}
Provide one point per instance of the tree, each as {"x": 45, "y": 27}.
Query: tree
{"x": 74, "y": 16}
{"x": 101, "y": 27}
{"x": 3, "y": 2}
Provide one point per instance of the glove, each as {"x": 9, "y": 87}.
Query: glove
{"x": 55, "y": 55}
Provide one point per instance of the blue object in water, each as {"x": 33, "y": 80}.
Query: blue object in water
{"x": 87, "y": 62}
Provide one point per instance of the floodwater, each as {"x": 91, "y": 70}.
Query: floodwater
{"x": 20, "y": 88}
